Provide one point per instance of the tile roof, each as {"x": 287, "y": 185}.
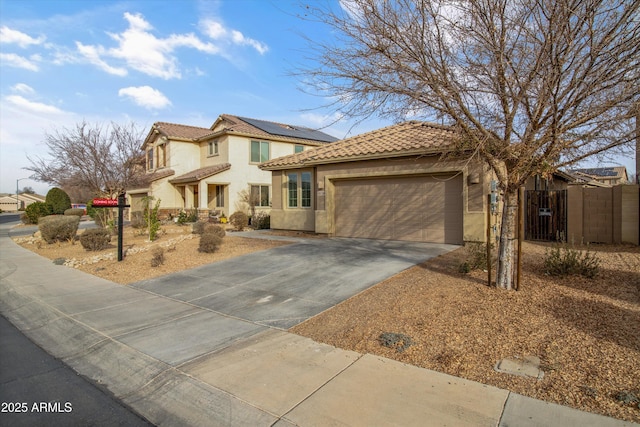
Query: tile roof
{"x": 174, "y": 130}
{"x": 198, "y": 174}
{"x": 242, "y": 126}
{"x": 405, "y": 138}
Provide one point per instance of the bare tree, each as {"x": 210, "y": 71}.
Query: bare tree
{"x": 531, "y": 85}
{"x": 102, "y": 159}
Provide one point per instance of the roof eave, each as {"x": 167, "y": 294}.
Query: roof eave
{"x": 376, "y": 156}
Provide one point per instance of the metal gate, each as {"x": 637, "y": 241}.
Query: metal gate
{"x": 546, "y": 215}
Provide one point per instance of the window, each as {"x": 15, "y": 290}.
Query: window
{"x": 259, "y": 151}
{"x": 260, "y": 193}
{"x": 305, "y": 188}
{"x": 293, "y": 190}
{"x": 219, "y": 196}
{"x": 213, "y": 148}
{"x": 298, "y": 149}
{"x": 150, "y": 159}
{"x": 162, "y": 155}
{"x": 299, "y": 189}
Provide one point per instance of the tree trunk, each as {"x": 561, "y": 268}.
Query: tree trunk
{"x": 506, "y": 249}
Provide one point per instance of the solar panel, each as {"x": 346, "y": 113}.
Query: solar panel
{"x": 291, "y": 131}
{"x": 598, "y": 171}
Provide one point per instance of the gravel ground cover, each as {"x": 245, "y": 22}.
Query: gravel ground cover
{"x": 586, "y": 332}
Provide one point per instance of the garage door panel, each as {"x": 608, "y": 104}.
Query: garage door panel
{"x": 406, "y": 208}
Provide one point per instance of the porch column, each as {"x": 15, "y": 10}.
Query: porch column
{"x": 203, "y": 195}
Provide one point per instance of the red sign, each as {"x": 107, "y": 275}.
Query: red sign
{"x": 104, "y": 203}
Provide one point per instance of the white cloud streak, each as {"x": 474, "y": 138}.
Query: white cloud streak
{"x": 145, "y": 96}
{"x": 23, "y": 88}
{"x": 10, "y": 36}
{"x": 17, "y": 61}
{"x": 31, "y": 106}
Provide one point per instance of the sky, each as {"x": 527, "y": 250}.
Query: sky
{"x": 144, "y": 61}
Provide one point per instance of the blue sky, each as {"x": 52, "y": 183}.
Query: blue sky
{"x": 188, "y": 61}
{"x": 145, "y": 61}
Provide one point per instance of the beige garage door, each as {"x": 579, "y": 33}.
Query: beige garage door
{"x": 424, "y": 208}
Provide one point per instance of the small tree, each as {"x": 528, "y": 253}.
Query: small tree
{"x": 59, "y": 200}
{"x": 150, "y": 216}
{"x": 102, "y": 159}
{"x": 530, "y": 86}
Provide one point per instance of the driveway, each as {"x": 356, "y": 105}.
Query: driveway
{"x": 284, "y": 286}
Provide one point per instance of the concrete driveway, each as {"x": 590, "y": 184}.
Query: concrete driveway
{"x": 284, "y": 286}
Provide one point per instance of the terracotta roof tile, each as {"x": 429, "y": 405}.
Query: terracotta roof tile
{"x": 411, "y": 137}
{"x": 174, "y": 130}
{"x": 198, "y": 174}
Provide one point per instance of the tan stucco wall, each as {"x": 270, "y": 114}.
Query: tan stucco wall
{"x": 321, "y": 220}
{"x": 603, "y": 215}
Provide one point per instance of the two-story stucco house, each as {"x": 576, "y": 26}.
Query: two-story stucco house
{"x": 189, "y": 167}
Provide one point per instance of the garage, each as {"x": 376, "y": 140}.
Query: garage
{"x": 415, "y": 208}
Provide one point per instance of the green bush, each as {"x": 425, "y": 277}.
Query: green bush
{"x": 239, "y": 220}
{"x": 37, "y": 210}
{"x": 59, "y": 200}
{"x": 261, "y": 220}
{"x": 58, "y": 227}
{"x": 95, "y": 239}
{"x": 74, "y": 211}
{"x": 157, "y": 256}
{"x": 562, "y": 260}
{"x": 209, "y": 243}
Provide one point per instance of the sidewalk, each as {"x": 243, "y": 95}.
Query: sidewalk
{"x": 179, "y": 364}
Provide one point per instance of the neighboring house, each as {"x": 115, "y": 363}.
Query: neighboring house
{"x": 9, "y": 203}
{"x": 392, "y": 183}
{"x": 190, "y": 167}
{"x": 608, "y": 176}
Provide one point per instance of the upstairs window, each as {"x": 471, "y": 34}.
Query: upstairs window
{"x": 150, "y": 159}
{"x": 213, "y": 148}
{"x": 298, "y": 149}
{"x": 259, "y": 151}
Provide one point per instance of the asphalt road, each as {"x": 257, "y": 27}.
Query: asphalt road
{"x": 9, "y": 217}
{"x": 36, "y": 389}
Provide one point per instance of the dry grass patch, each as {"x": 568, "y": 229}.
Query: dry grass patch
{"x": 585, "y": 331}
{"x": 180, "y": 253}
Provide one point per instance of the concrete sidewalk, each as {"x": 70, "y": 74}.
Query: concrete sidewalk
{"x": 177, "y": 363}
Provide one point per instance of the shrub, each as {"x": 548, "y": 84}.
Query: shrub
{"x": 151, "y": 219}
{"x": 239, "y": 220}
{"x": 137, "y": 220}
{"x": 214, "y": 229}
{"x": 261, "y": 220}
{"x": 37, "y": 210}
{"x": 59, "y": 200}
{"x": 209, "y": 243}
{"x": 198, "y": 227}
{"x": 157, "y": 256}
{"x": 58, "y": 227}
{"x": 74, "y": 211}
{"x": 562, "y": 260}
{"x": 476, "y": 257}
{"x": 95, "y": 239}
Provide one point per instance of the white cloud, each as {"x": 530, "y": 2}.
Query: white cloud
{"x": 22, "y": 88}
{"x": 92, "y": 55}
{"x": 17, "y": 61}
{"x": 146, "y": 96}
{"x": 9, "y": 36}
{"x": 31, "y": 106}
{"x": 217, "y": 31}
